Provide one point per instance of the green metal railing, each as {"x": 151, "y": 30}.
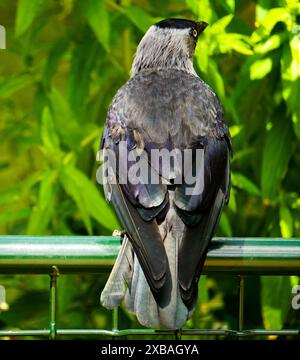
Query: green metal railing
{"x": 56, "y": 255}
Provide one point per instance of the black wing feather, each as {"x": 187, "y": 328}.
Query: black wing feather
{"x": 194, "y": 248}
{"x": 201, "y": 214}
{"x": 145, "y": 238}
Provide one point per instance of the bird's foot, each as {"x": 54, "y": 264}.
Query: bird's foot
{"x": 119, "y": 233}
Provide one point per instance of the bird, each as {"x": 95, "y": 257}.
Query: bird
{"x": 168, "y": 223}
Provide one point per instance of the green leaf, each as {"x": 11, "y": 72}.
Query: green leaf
{"x": 16, "y": 214}
{"x": 276, "y": 156}
{"x": 202, "y": 305}
{"x": 232, "y": 201}
{"x": 15, "y": 83}
{"x": 262, "y": 8}
{"x": 268, "y": 22}
{"x": 75, "y": 192}
{"x": 141, "y": 19}
{"x": 240, "y": 45}
{"x": 242, "y": 182}
{"x": 203, "y": 296}
{"x": 260, "y": 68}
{"x": 225, "y": 225}
{"x": 296, "y": 119}
{"x": 286, "y": 222}
{"x": 290, "y": 72}
{"x": 214, "y": 78}
{"x": 220, "y": 25}
{"x": 43, "y": 211}
{"x": 228, "y": 5}
{"x": 10, "y": 195}
{"x": 87, "y": 198}
{"x": 238, "y": 155}
{"x": 98, "y": 19}
{"x": 67, "y": 293}
{"x": 65, "y": 121}
{"x": 52, "y": 61}
{"x": 27, "y": 10}
{"x": 226, "y": 42}
{"x": 48, "y": 132}
{"x": 275, "y": 299}
{"x": 272, "y": 43}
{"x": 84, "y": 57}
{"x": 235, "y": 130}
{"x": 201, "y": 55}
{"x": 294, "y": 279}
{"x": 202, "y": 9}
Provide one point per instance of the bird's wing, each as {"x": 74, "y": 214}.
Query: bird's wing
{"x": 201, "y": 214}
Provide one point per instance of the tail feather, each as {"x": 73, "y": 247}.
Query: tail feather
{"x": 120, "y": 277}
{"x": 172, "y": 311}
{"x": 145, "y": 307}
{"x": 131, "y": 291}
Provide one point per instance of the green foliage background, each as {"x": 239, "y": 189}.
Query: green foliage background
{"x": 64, "y": 61}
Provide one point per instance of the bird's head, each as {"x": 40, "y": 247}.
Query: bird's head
{"x": 168, "y": 44}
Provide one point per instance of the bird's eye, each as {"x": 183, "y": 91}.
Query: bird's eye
{"x": 195, "y": 33}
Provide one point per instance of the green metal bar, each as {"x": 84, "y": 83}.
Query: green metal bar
{"x": 115, "y": 325}
{"x": 241, "y": 289}
{"x": 13, "y": 333}
{"x": 115, "y": 319}
{"x": 53, "y": 296}
{"x": 71, "y": 254}
{"x": 143, "y": 332}
{"x": 178, "y": 334}
{"x": 76, "y": 254}
{"x": 95, "y": 254}
{"x": 241, "y": 293}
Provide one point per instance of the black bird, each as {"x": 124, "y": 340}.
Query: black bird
{"x": 169, "y": 223}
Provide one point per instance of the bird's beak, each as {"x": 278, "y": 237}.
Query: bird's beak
{"x": 201, "y": 25}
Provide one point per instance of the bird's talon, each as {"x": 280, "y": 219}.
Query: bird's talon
{"x": 119, "y": 233}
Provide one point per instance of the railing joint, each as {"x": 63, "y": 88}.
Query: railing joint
{"x": 178, "y": 334}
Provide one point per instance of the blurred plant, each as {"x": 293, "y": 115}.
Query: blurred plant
{"x": 64, "y": 61}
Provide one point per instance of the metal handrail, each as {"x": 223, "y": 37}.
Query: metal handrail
{"x": 95, "y": 254}
{"x": 55, "y": 255}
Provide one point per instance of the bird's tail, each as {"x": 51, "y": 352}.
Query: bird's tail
{"x": 164, "y": 309}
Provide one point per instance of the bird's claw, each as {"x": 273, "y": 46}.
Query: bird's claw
{"x": 119, "y": 233}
